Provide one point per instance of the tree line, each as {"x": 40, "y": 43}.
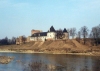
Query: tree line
{"x": 6, "y": 41}
{"x": 92, "y": 36}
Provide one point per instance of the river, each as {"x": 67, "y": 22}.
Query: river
{"x": 53, "y": 62}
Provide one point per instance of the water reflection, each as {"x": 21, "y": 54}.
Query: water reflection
{"x": 49, "y": 62}
{"x": 96, "y": 65}
{"x": 40, "y": 66}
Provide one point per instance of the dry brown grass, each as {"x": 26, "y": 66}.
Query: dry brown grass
{"x": 57, "y": 46}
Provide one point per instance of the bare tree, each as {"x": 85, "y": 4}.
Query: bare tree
{"x": 72, "y": 32}
{"x": 59, "y": 34}
{"x": 84, "y": 32}
{"x": 13, "y": 40}
{"x": 95, "y": 34}
{"x": 68, "y": 33}
{"x": 79, "y": 36}
{"x": 4, "y": 41}
{"x": 24, "y": 39}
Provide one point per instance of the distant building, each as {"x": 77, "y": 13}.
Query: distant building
{"x": 28, "y": 39}
{"x": 38, "y": 35}
{"x": 50, "y": 35}
{"x": 21, "y": 39}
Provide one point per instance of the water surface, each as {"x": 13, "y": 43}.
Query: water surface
{"x": 59, "y": 62}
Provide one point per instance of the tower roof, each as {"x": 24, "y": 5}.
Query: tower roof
{"x": 52, "y": 29}
{"x": 65, "y": 31}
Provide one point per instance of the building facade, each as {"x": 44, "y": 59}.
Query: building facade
{"x": 50, "y": 35}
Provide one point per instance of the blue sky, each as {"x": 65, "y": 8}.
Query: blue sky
{"x": 19, "y": 17}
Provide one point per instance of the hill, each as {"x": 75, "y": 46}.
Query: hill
{"x": 55, "y": 47}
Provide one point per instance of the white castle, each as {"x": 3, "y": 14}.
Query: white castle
{"x": 52, "y": 34}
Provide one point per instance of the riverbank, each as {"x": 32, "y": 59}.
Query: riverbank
{"x": 31, "y": 51}
{"x": 53, "y": 47}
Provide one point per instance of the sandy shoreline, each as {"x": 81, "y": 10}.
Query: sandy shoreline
{"x": 87, "y": 54}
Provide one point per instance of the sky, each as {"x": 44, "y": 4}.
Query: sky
{"x": 19, "y": 17}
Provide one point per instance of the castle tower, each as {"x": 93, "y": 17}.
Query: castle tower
{"x": 65, "y": 32}
{"x": 51, "y": 34}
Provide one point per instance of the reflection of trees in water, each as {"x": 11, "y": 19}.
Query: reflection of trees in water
{"x": 85, "y": 69}
{"x": 40, "y": 66}
{"x": 96, "y": 66}
{"x": 81, "y": 64}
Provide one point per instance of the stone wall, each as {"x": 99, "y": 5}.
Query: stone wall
{"x": 21, "y": 39}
